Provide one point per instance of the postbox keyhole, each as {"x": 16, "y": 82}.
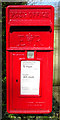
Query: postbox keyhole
{"x": 16, "y": 80}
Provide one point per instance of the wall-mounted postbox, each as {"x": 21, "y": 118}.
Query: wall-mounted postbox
{"x": 29, "y": 58}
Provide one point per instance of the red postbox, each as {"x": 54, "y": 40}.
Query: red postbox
{"x": 29, "y": 58}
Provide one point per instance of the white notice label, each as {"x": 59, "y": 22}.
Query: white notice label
{"x": 30, "y": 77}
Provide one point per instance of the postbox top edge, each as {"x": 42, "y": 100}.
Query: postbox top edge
{"x": 29, "y": 6}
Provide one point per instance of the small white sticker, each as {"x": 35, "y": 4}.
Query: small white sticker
{"x": 30, "y": 77}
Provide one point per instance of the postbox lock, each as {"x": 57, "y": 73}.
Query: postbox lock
{"x": 16, "y": 80}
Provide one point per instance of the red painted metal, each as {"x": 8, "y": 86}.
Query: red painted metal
{"x": 29, "y": 27}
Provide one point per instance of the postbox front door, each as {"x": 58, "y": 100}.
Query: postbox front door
{"x": 29, "y": 59}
